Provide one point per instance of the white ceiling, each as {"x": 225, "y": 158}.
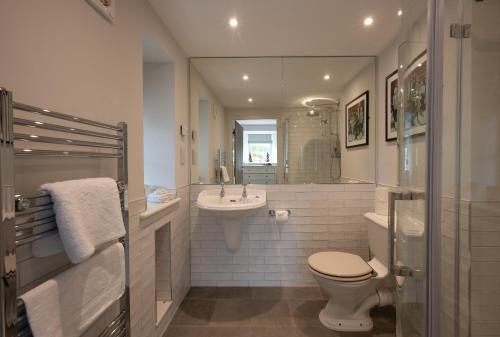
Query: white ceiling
{"x": 152, "y": 52}
{"x": 280, "y": 27}
{"x": 277, "y": 82}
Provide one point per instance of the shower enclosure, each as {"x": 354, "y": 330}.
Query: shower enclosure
{"x": 311, "y": 145}
{"x": 446, "y": 214}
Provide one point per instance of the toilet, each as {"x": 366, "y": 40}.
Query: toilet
{"x": 353, "y": 285}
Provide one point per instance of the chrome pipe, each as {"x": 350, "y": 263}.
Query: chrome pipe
{"x": 37, "y": 223}
{"x": 75, "y": 154}
{"x": 30, "y": 239}
{"x": 67, "y": 129}
{"x": 53, "y": 114}
{"x": 64, "y": 141}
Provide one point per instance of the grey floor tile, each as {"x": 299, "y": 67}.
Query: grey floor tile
{"x": 202, "y": 293}
{"x": 312, "y": 293}
{"x": 234, "y": 292}
{"x": 305, "y": 312}
{"x": 193, "y": 312}
{"x": 263, "y": 312}
{"x": 251, "y": 313}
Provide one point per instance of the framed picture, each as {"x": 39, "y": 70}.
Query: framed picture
{"x": 415, "y": 95}
{"x": 391, "y": 111}
{"x": 356, "y": 121}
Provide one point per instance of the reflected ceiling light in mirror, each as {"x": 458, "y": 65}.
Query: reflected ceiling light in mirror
{"x": 400, "y": 12}
{"x": 245, "y": 77}
{"x": 368, "y": 21}
{"x": 233, "y": 22}
{"x": 250, "y": 100}
{"x": 326, "y": 77}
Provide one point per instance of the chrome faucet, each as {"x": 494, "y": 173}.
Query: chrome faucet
{"x": 244, "y": 194}
{"x": 222, "y": 192}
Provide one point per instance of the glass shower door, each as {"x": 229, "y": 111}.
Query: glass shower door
{"x": 407, "y": 213}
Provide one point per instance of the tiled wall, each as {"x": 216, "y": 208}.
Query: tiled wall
{"x": 142, "y": 267}
{"x": 324, "y": 217}
{"x": 311, "y": 142}
{"x": 485, "y": 268}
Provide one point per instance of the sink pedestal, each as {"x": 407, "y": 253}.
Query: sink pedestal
{"x": 232, "y": 232}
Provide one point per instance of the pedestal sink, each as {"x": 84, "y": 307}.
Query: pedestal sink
{"x": 231, "y": 210}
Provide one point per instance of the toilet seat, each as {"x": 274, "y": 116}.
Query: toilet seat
{"x": 340, "y": 266}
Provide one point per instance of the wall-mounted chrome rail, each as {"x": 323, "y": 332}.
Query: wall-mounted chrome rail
{"x": 27, "y": 218}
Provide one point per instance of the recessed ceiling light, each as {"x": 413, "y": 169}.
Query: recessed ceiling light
{"x": 250, "y": 100}
{"x": 368, "y": 21}
{"x": 326, "y": 77}
{"x": 400, "y": 12}
{"x": 27, "y": 150}
{"x": 233, "y": 22}
{"x": 400, "y": 66}
{"x": 46, "y": 110}
{"x": 245, "y": 77}
{"x": 33, "y": 136}
{"x": 39, "y": 123}
{"x": 419, "y": 65}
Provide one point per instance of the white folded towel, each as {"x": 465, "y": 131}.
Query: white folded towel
{"x": 160, "y": 195}
{"x": 68, "y": 304}
{"x": 88, "y": 214}
{"x": 225, "y": 176}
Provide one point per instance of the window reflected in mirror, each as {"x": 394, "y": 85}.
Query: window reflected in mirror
{"x": 279, "y": 120}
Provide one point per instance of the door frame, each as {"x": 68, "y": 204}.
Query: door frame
{"x": 436, "y": 31}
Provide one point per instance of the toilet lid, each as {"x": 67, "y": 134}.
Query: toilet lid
{"x": 339, "y": 264}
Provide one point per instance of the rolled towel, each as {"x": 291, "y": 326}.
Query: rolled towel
{"x": 88, "y": 214}
{"x": 160, "y": 195}
{"x": 68, "y": 304}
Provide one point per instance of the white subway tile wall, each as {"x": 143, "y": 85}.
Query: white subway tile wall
{"x": 323, "y": 217}
{"x": 143, "y": 267}
{"x": 485, "y": 268}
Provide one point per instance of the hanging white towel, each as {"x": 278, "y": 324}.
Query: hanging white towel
{"x": 225, "y": 176}
{"x": 88, "y": 214}
{"x": 68, "y": 304}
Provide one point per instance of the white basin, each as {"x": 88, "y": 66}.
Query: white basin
{"x": 231, "y": 210}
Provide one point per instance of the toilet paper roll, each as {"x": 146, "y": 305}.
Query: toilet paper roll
{"x": 281, "y": 216}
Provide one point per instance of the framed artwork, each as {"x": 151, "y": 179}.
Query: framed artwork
{"x": 356, "y": 121}
{"x": 391, "y": 111}
{"x": 104, "y": 7}
{"x": 415, "y": 95}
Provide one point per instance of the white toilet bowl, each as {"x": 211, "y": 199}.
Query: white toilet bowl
{"x": 354, "y": 286}
{"x": 351, "y": 284}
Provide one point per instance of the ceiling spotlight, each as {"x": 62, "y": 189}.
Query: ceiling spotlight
{"x": 368, "y": 21}
{"x": 233, "y": 22}
{"x": 326, "y": 77}
{"x": 400, "y": 66}
{"x": 250, "y": 100}
{"x": 245, "y": 77}
{"x": 400, "y": 12}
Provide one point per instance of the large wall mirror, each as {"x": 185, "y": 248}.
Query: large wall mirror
{"x": 282, "y": 120}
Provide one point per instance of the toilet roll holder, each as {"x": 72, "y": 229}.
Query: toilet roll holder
{"x": 272, "y": 212}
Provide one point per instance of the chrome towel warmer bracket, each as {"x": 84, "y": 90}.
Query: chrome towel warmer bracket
{"x": 25, "y": 218}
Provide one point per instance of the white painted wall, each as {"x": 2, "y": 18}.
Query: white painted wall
{"x": 212, "y": 130}
{"x": 159, "y": 124}
{"x": 64, "y": 56}
{"x": 359, "y": 162}
{"x": 387, "y": 152}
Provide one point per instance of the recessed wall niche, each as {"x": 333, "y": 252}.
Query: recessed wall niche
{"x": 163, "y": 279}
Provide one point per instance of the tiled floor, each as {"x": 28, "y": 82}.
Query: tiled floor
{"x": 262, "y": 312}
